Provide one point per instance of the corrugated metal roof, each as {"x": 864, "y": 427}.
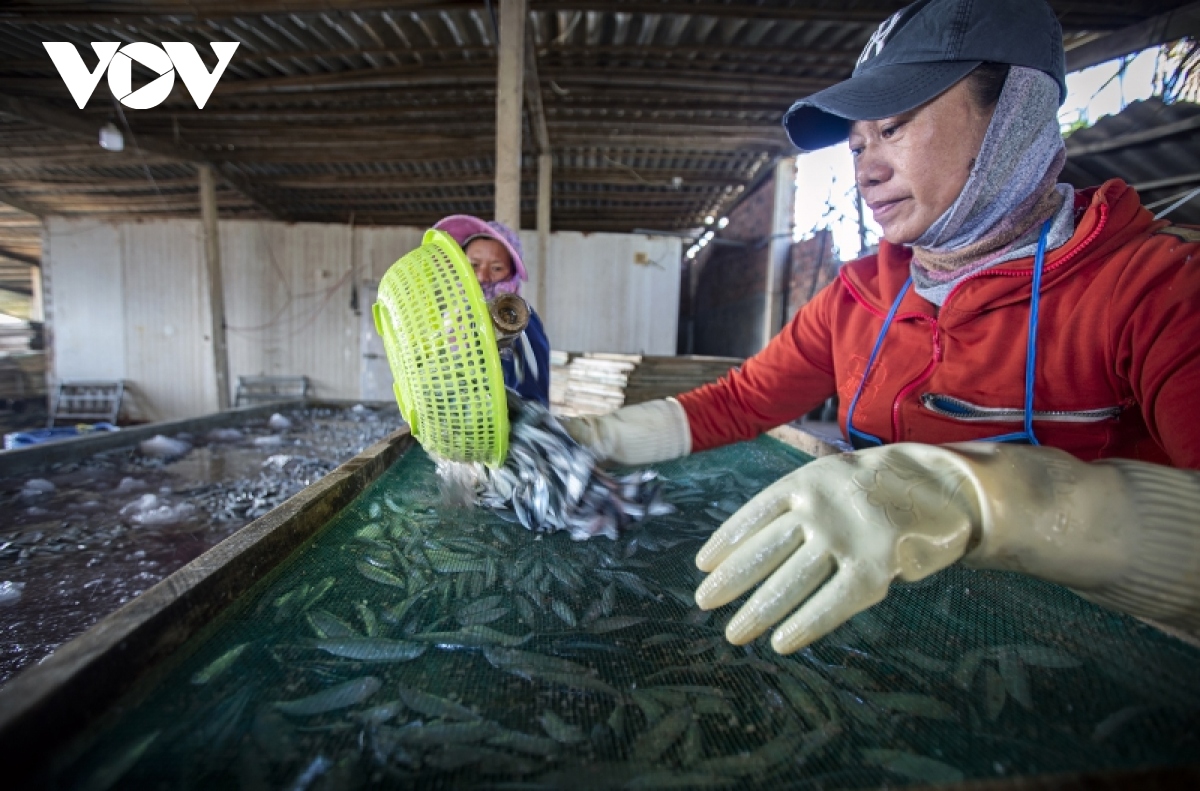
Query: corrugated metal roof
{"x": 659, "y": 112}
{"x": 1151, "y": 145}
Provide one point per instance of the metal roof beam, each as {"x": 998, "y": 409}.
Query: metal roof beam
{"x": 13, "y": 255}
{"x": 1162, "y": 184}
{"x": 1075, "y": 14}
{"x": 19, "y": 203}
{"x": 50, "y": 116}
{"x": 39, "y": 12}
{"x": 1134, "y": 138}
{"x": 533, "y": 91}
{"x": 1151, "y": 32}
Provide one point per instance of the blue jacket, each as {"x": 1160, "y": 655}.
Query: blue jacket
{"x": 531, "y": 388}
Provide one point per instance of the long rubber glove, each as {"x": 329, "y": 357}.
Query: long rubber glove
{"x": 830, "y": 537}
{"x": 639, "y": 434}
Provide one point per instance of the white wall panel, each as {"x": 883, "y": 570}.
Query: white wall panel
{"x": 257, "y": 286}
{"x": 376, "y": 249}
{"x": 130, "y": 301}
{"x": 529, "y": 250}
{"x": 168, "y": 343}
{"x": 601, "y": 300}
{"x": 288, "y": 311}
{"x": 323, "y": 327}
{"x": 85, "y": 299}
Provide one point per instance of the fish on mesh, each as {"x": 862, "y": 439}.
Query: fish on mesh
{"x": 552, "y": 483}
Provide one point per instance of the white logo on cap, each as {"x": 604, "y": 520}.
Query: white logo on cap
{"x": 878, "y": 39}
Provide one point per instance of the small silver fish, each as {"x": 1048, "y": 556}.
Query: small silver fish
{"x": 652, "y": 744}
{"x": 332, "y": 699}
{"x": 913, "y": 766}
{"x": 525, "y": 743}
{"x": 1016, "y": 680}
{"x": 916, "y": 705}
{"x": 379, "y": 575}
{"x": 563, "y": 611}
{"x": 109, "y": 773}
{"x": 612, "y": 624}
{"x": 559, "y": 730}
{"x": 219, "y": 665}
{"x": 433, "y": 706}
{"x": 372, "y": 649}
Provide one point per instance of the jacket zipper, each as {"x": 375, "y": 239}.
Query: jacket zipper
{"x": 949, "y": 406}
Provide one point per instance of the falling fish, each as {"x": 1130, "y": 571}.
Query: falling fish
{"x": 552, "y": 483}
{"x": 332, "y": 699}
{"x": 219, "y": 665}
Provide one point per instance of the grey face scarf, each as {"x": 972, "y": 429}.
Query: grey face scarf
{"x": 1010, "y": 193}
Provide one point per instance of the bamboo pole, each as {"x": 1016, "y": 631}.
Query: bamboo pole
{"x": 779, "y": 246}
{"x": 216, "y": 288}
{"x": 545, "y": 164}
{"x": 509, "y": 90}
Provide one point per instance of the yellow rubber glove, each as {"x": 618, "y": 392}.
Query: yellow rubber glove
{"x": 640, "y": 434}
{"x": 829, "y": 538}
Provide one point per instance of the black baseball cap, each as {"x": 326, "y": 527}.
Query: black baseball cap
{"x": 921, "y": 51}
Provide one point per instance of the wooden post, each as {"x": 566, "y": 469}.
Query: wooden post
{"x": 779, "y": 246}
{"x": 545, "y": 163}
{"x": 509, "y": 90}
{"x": 216, "y": 288}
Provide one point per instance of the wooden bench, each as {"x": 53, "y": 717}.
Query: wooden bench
{"x": 261, "y": 389}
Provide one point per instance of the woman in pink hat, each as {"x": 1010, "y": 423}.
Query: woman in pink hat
{"x": 494, "y": 250}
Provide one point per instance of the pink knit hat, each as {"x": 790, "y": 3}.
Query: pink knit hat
{"x": 463, "y": 227}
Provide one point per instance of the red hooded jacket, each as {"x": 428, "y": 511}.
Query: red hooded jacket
{"x": 1118, "y": 348}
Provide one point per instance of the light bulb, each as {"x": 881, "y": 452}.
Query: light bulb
{"x": 111, "y": 138}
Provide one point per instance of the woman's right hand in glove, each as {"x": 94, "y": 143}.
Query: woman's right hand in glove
{"x": 639, "y": 434}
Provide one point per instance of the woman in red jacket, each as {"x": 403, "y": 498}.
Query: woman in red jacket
{"x": 1017, "y": 366}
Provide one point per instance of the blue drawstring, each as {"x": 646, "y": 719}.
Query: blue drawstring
{"x": 1031, "y": 347}
{"x": 860, "y": 439}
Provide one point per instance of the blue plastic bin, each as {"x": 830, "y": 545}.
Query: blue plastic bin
{"x": 23, "y": 439}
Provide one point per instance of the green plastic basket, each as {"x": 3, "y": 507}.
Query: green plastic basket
{"x": 441, "y": 347}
